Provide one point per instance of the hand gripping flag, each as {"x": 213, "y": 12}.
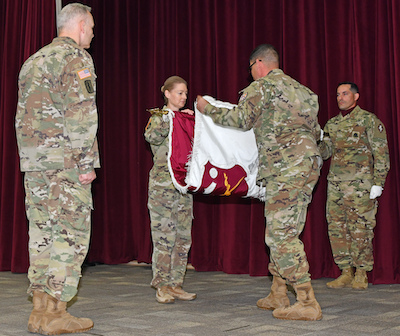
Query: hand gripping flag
{"x": 211, "y": 159}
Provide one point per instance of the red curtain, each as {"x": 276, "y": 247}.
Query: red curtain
{"x": 138, "y": 44}
{"x": 25, "y": 26}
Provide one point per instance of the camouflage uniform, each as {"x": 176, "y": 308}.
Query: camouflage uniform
{"x": 283, "y": 114}
{"x": 360, "y": 159}
{"x": 56, "y": 125}
{"x": 171, "y": 212}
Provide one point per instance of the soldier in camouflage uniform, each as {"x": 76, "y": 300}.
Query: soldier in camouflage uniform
{"x": 171, "y": 212}
{"x": 56, "y": 126}
{"x": 356, "y": 141}
{"x": 283, "y": 114}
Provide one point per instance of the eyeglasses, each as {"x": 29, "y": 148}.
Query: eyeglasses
{"x": 252, "y": 65}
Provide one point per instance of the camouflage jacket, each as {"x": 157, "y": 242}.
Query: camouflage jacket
{"x": 156, "y": 134}
{"x": 283, "y": 114}
{"x": 56, "y": 119}
{"x": 358, "y": 145}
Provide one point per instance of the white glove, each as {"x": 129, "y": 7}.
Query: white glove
{"x": 321, "y": 137}
{"x": 376, "y": 191}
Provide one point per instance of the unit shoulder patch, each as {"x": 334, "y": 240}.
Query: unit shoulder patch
{"x": 243, "y": 97}
{"x": 89, "y": 86}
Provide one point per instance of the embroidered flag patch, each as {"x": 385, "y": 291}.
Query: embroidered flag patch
{"x": 84, "y": 73}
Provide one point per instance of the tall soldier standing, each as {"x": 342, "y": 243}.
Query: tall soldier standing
{"x": 56, "y": 126}
{"x": 356, "y": 141}
{"x": 283, "y": 114}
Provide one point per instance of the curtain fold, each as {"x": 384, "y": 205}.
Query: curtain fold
{"x": 25, "y": 26}
{"x": 137, "y": 45}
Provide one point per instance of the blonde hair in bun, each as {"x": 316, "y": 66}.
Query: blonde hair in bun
{"x": 170, "y": 83}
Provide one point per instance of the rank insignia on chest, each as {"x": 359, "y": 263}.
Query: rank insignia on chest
{"x": 355, "y": 135}
{"x": 380, "y": 128}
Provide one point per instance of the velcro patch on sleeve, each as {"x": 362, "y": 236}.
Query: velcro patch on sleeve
{"x": 89, "y": 86}
{"x": 84, "y": 73}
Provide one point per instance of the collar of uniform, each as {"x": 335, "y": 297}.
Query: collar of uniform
{"x": 354, "y": 111}
{"x": 275, "y": 72}
{"x": 66, "y": 39}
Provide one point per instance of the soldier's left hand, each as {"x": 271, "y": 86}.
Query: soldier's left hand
{"x": 376, "y": 191}
{"x": 188, "y": 111}
{"x": 201, "y": 103}
{"x": 87, "y": 178}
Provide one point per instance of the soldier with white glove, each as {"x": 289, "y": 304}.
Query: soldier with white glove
{"x": 356, "y": 142}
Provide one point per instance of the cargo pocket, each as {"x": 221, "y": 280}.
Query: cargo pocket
{"x": 368, "y": 221}
{"x": 75, "y": 200}
{"x": 36, "y": 199}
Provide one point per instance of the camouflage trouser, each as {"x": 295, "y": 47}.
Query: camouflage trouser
{"x": 171, "y": 215}
{"x": 287, "y": 199}
{"x": 351, "y": 221}
{"x": 58, "y": 208}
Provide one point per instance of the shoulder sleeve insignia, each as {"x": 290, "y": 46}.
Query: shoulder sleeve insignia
{"x": 243, "y": 97}
{"x": 89, "y": 86}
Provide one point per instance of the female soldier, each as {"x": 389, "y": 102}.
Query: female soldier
{"x": 171, "y": 212}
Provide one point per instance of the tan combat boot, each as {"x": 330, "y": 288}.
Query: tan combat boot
{"x": 360, "y": 280}
{"x": 39, "y": 301}
{"x": 57, "y": 321}
{"x": 342, "y": 281}
{"x": 178, "y": 293}
{"x": 163, "y": 296}
{"x": 306, "y": 308}
{"x": 277, "y": 298}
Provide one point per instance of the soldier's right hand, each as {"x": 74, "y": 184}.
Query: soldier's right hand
{"x": 87, "y": 178}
